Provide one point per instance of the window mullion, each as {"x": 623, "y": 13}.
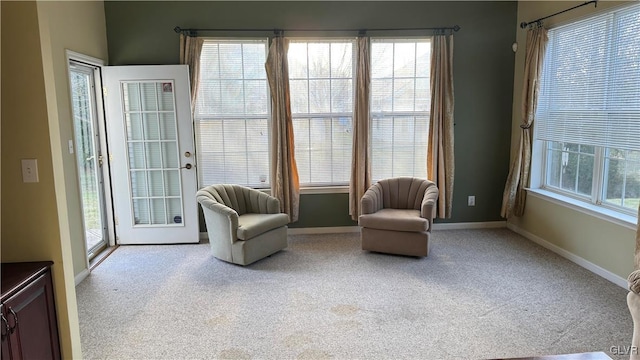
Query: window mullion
{"x": 331, "y": 117}
{"x": 579, "y": 157}
{"x": 547, "y": 162}
{"x": 599, "y": 180}
{"x": 244, "y": 120}
{"x": 624, "y": 178}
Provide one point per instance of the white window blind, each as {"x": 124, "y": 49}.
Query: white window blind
{"x": 321, "y": 80}
{"x": 590, "y": 88}
{"x": 232, "y": 112}
{"x": 400, "y": 104}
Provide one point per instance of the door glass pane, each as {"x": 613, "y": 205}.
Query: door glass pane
{"x": 134, "y": 126}
{"x": 167, "y": 126}
{"x": 165, "y": 96}
{"x": 154, "y": 160}
{"x": 156, "y": 184}
{"x": 158, "y": 212}
{"x": 87, "y": 155}
{"x": 154, "y": 157}
{"x": 132, "y": 96}
{"x": 172, "y": 183}
{"x": 151, "y": 128}
{"x": 136, "y": 155}
{"x": 141, "y": 211}
{"x": 169, "y": 155}
{"x": 139, "y": 184}
{"x": 174, "y": 211}
{"x": 148, "y": 97}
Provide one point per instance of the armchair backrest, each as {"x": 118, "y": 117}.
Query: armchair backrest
{"x": 403, "y": 192}
{"x": 240, "y": 198}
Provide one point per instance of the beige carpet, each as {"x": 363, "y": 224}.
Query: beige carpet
{"x": 479, "y": 294}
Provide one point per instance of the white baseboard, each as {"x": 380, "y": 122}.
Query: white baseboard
{"x": 355, "y": 229}
{"x": 470, "y": 225}
{"x": 323, "y": 230}
{"x": 83, "y": 275}
{"x": 203, "y": 236}
{"x": 602, "y": 272}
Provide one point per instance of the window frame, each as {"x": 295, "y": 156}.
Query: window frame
{"x": 330, "y": 186}
{"x": 400, "y": 113}
{"x": 317, "y": 187}
{"x": 596, "y": 202}
{"x": 268, "y": 116}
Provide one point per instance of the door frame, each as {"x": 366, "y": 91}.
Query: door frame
{"x": 104, "y": 146}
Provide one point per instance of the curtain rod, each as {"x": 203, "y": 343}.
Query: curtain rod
{"x": 180, "y": 30}
{"x": 538, "y": 21}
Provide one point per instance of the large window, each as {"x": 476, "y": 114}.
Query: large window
{"x": 320, "y": 75}
{"x": 233, "y": 110}
{"x": 232, "y": 113}
{"x": 400, "y": 103}
{"x": 588, "y": 117}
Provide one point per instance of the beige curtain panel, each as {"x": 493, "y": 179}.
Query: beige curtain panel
{"x": 440, "y": 159}
{"x": 360, "y": 162}
{"x": 514, "y": 196}
{"x": 285, "y": 183}
{"x": 190, "y": 49}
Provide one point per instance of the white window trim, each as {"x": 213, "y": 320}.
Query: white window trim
{"x": 316, "y": 190}
{"x": 336, "y": 189}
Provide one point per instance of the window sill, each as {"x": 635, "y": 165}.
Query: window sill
{"x": 613, "y": 216}
{"x": 317, "y": 190}
{"x": 325, "y": 190}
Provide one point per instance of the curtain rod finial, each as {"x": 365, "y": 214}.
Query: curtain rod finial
{"x": 456, "y": 28}
{"x": 523, "y": 25}
{"x": 177, "y": 29}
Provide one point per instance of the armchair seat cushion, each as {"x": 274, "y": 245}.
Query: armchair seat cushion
{"x": 251, "y": 225}
{"x": 395, "y": 220}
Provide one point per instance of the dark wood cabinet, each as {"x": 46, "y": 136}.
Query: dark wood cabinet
{"x": 29, "y": 326}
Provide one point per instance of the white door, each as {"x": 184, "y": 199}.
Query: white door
{"x": 152, "y": 159}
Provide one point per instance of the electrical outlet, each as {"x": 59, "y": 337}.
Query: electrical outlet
{"x": 30, "y": 170}
{"x": 471, "y": 201}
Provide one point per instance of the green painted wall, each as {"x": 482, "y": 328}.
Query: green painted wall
{"x": 142, "y": 33}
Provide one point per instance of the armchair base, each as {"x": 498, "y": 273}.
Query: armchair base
{"x": 245, "y": 252}
{"x": 395, "y": 242}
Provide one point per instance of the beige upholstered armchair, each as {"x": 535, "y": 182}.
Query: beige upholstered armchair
{"x": 397, "y": 216}
{"x": 244, "y": 224}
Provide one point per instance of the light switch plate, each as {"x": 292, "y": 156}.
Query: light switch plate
{"x": 30, "y": 170}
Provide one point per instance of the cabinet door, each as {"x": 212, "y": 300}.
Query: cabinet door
{"x": 32, "y": 321}
{"x": 6, "y": 353}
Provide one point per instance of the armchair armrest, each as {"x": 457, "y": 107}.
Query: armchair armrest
{"x": 224, "y": 218}
{"x": 428, "y": 206}
{"x": 372, "y": 200}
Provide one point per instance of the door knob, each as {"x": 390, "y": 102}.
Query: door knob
{"x": 188, "y": 166}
